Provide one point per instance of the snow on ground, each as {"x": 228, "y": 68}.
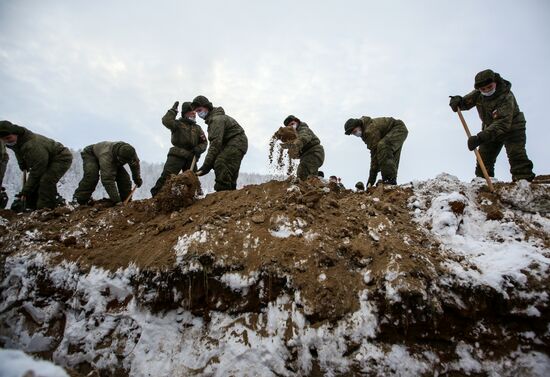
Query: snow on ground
{"x": 279, "y": 340}
{"x": 15, "y": 363}
{"x": 496, "y": 250}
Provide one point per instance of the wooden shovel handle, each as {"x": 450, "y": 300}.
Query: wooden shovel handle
{"x": 131, "y": 194}
{"x": 476, "y": 152}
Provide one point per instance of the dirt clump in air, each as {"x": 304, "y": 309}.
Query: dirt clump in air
{"x": 178, "y": 192}
{"x": 279, "y": 158}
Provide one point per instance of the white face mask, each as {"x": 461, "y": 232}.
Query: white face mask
{"x": 293, "y": 125}
{"x": 10, "y": 144}
{"x": 490, "y": 93}
{"x": 192, "y": 118}
{"x": 202, "y": 114}
{"x": 358, "y": 133}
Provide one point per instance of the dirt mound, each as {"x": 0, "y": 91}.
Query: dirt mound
{"x": 178, "y": 192}
{"x": 280, "y": 264}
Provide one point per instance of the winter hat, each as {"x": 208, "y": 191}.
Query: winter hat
{"x": 201, "y": 101}
{"x": 484, "y": 78}
{"x": 186, "y": 107}
{"x": 8, "y": 128}
{"x": 351, "y": 124}
{"x": 360, "y": 186}
{"x": 126, "y": 153}
{"x": 289, "y": 119}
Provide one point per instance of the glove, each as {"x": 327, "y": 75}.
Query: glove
{"x": 473, "y": 142}
{"x": 372, "y": 178}
{"x": 197, "y": 151}
{"x": 138, "y": 181}
{"x": 455, "y": 102}
{"x": 203, "y": 170}
{"x": 175, "y": 107}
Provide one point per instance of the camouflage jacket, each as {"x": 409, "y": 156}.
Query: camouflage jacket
{"x": 374, "y": 130}
{"x": 499, "y": 113}
{"x": 186, "y": 135}
{"x": 222, "y": 131}
{"x": 106, "y": 153}
{"x": 307, "y": 139}
{"x": 35, "y": 153}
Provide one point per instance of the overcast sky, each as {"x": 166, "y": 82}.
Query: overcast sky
{"x": 87, "y": 71}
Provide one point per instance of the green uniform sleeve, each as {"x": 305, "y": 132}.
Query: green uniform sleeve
{"x": 469, "y": 100}
{"x": 36, "y": 160}
{"x": 305, "y": 136}
{"x": 215, "y": 136}
{"x": 203, "y": 143}
{"x": 503, "y": 116}
{"x": 135, "y": 169}
{"x": 169, "y": 120}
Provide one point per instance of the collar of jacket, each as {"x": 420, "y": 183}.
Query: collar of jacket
{"x": 215, "y": 111}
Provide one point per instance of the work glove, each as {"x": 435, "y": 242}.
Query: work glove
{"x": 372, "y": 178}
{"x": 473, "y": 142}
{"x": 203, "y": 170}
{"x": 175, "y": 107}
{"x": 138, "y": 181}
{"x": 455, "y": 102}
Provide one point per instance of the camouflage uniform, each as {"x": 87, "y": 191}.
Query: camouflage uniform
{"x": 188, "y": 140}
{"x": 107, "y": 159}
{"x": 228, "y": 145}
{"x": 310, "y": 152}
{"x": 45, "y": 159}
{"x": 384, "y": 138}
{"x": 503, "y": 124}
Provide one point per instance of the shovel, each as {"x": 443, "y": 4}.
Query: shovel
{"x": 476, "y": 151}
{"x": 131, "y": 194}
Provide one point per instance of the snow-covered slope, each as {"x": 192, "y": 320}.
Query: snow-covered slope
{"x": 453, "y": 280}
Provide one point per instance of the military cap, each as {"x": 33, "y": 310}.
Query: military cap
{"x": 351, "y": 124}
{"x": 199, "y": 101}
{"x": 289, "y": 119}
{"x": 484, "y": 78}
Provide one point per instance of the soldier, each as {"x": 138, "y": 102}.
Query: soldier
{"x": 3, "y": 165}
{"x": 384, "y": 138}
{"x": 503, "y": 124}
{"x": 306, "y": 147}
{"x": 228, "y": 144}
{"x": 359, "y": 187}
{"x": 188, "y": 140}
{"x": 107, "y": 159}
{"x": 45, "y": 159}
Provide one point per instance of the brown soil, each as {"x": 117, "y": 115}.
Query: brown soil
{"x": 279, "y": 158}
{"x": 286, "y": 134}
{"x": 343, "y": 233}
{"x": 178, "y": 192}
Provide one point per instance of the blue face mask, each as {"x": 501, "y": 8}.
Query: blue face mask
{"x": 489, "y": 94}
{"x": 202, "y": 114}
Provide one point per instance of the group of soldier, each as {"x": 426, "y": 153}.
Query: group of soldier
{"x": 47, "y": 160}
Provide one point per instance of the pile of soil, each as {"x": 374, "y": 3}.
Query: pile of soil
{"x": 336, "y": 234}
{"x": 178, "y": 191}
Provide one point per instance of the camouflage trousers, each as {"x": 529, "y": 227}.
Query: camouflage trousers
{"x": 46, "y": 194}
{"x": 521, "y": 166}
{"x": 388, "y": 151}
{"x": 310, "y": 162}
{"x": 173, "y": 165}
{"x": 227, "y": 166}
{"x": 89, "y": 181}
